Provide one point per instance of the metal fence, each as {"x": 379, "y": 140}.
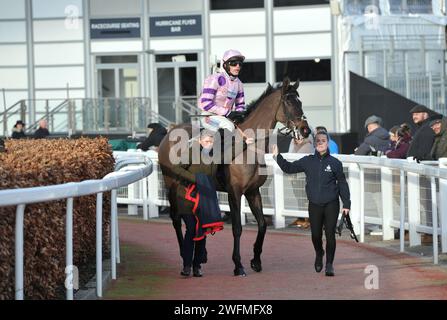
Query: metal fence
{"x": 103, "y": 115}
{"x": 379, "y": 194}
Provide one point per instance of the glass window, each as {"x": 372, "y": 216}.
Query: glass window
{"x": 360, "y": 7}
{"x": 53, "y": 54}
{"x": 13, "y": 55}
{"x": 236, "y": 4}
{"x": 253, "y": 72}
{"x": 57, "y": 8}
{"x": 13, "y": 78}
{"x": 411, "y": 6}
{"x": 12, "y": 31}
{"x": 303, "y": 19}
{"x": 219, "y": 23}
{"x": 116, "y": 8}
{"x": 60, "y": 94}
{"x": 59, "y": 77}
{"x": 14, "y": 96}
{"x": 12, "y": 9}
{"x": 117, "y": 59}
{"x": 252, "y": 47}
{"x": 179, "y": 5}
{"x": 172, "y": 57}
{"x": 287, "y": 3}
{"x": 302, "y": 46}
{"x": 305, "y": 70}
{"x": 56, "y": 30}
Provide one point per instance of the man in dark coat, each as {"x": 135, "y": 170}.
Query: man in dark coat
{"x": 156, "y": 133}
{"x": 193, "y": 252}
{"x": 439, "y": 149}
{"x": 377, "y": 139}
{"x": 42, "y": 132}
{"x": 423, "y": 137}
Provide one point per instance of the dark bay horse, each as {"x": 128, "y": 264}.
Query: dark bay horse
{"x": 280, "y": 104}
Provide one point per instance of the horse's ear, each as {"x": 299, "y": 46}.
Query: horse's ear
{"x": 297, "y": 84}
{"x": 285, "y": 85}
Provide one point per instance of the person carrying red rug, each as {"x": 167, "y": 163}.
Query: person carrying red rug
{"x": 197, "y": 203}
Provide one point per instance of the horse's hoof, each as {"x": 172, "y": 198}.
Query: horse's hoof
{"x": 256, "y": 265}
{"x": 240, "y": 272}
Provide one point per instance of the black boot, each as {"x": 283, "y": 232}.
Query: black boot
{"x": 186, "y": 271}
{"x": 197, "y": 271}
{"x": 319, "y": 261}
{"x": 330, "y": 270}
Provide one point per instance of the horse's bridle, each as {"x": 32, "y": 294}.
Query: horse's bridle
{"x": 290, "y": 129}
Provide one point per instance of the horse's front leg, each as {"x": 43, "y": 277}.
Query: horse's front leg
{"x": 255, "y": 202}
{"x": 235, "y": 207}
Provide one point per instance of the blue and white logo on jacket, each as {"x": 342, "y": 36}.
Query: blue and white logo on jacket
{"x": 328, "y": 168}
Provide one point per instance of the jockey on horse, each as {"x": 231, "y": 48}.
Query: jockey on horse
{"x": 222, "y": 99}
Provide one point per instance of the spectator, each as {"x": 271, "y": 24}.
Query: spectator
{"x": 439, "y": 149}
{"x": 333, "y": 147}
{"x": 423, "y": 137}
{"x": 18, "y": 131}
{"x": 377, "y": 140}
{"x": 406, "y": 130}
{"x": 42, "y": 132}
{"x": 156, "y": 133}
{"x": 400, "y": 142}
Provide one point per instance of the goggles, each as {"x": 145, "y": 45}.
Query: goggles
{"x": 234, "y": 63}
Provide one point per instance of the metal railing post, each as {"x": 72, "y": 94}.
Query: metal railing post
{"x": 5, "y": 124}
{"x": 69, "y": 119}
{"x": 443, "y": 206}
{"x": 434, "y": 210}
{"x": 23, "y": 111}
{"x": 74, "y": 116}
{"x": 354, "y": 188}
{"x": 430, "y": 91}
{"x": 387, "y": 202}
{"x": 106, "y": 114}
{"x": 113, "y": 218}
{"x": 362, "y": 203}
{"x": 144, "y": 197}
{"x": 402, "y": 211}
{"x": 69, "y": 249}
{"x": 414, "y": 207}
{"x": 99, "y": 245}
{"x": 20, "y": 212}
{"x": 118, "y": 255}
{"x": 153, "y": 184}
{"x": 47, "y": 109}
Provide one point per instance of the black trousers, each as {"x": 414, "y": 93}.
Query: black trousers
{"x": 324, "y": 215}
{"x": 193, "y": 252}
